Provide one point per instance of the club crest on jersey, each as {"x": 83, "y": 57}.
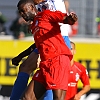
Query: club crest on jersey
{"x": 77, "y": 77}
{"x": 36, "y": 23}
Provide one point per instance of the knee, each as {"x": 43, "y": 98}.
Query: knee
{"x": 29, "y": 97}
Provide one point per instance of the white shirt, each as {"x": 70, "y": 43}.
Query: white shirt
{"x": 54, "y": 5}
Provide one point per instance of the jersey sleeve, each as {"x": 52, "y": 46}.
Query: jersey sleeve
{"x": 84, "y": 76}
{"x": 55, "y": 16}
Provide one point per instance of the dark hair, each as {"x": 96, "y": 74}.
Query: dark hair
{"x": 24, "y": 2}
{"x": 72, "y": 43}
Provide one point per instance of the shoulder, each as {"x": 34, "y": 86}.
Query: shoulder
{"x": 45, "y": 12}
{"x": 44, "y": 15}
{"x": 79, "y": 65}
{"x": 48, "y": 12}
{"x": 81, "y": 68}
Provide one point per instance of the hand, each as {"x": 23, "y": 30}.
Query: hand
{"x": 72, "y": 18}
{"x": 16, "y": 60}
{"x": 77, "y": 97}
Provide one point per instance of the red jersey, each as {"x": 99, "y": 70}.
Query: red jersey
{"x": 47, "y": 35}
{"x": 77, "y": 71}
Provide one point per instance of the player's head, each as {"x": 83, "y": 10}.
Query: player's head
{"x": 27, "y": 9}
{"x": 72, "y": 47}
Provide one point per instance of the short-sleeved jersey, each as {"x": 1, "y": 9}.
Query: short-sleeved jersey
{"x": 47, "y": 34}
{"x": 77, "y": 72}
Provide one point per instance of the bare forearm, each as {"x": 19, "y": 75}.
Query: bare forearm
{"x": 84, "y": 90}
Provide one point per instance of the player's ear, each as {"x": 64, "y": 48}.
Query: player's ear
{"x": 33, "y": 7}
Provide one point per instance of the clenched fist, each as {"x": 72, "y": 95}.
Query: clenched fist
{"x": 71, "y": 19}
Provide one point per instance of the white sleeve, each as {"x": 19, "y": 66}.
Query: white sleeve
{"x": 65, "y": 29}
{"x": 60, "y": 6}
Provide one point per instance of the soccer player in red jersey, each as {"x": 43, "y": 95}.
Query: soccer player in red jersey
{"x": 53, "y": 51}
{"x": 27, "y": 68}
{"x": 77, "y": 72}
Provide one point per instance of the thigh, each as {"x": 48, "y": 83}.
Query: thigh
{"x": 30, "y": 63}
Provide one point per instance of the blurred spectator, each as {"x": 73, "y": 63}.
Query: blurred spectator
{"x": 98, "y": 23}
{"x": 19, "y": 27}
{"x": 2, "y": 22}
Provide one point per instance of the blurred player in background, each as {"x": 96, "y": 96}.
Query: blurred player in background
{"x": 77, "y": 72}
{"x": 26, "y": 68}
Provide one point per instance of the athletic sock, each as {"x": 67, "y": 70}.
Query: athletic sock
{"x": 19, "y": 86}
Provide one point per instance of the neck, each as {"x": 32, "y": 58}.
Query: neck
{"x": 72, "y": 62}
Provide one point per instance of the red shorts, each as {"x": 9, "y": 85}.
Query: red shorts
{"x": 53, "y": 73}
